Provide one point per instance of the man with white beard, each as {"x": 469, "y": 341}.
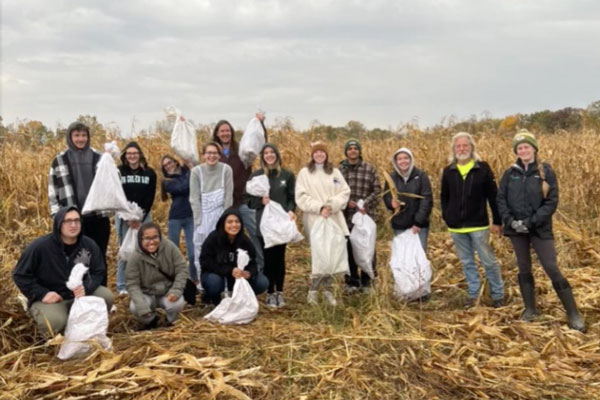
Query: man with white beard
{"x": 468, "y": 185}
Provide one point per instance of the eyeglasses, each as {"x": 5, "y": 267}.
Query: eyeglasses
{"x": 150, "y": 238}
{"x": 167, "y": 163}
{"x": 74, "y": 221}
{"x": 211, "y": 153}
{"x": 130, "y": 153}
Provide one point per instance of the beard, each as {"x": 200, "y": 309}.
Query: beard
{"x": 463, "y": 157}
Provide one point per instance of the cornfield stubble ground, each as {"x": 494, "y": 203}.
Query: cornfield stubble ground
{"x": 370, "y": 346}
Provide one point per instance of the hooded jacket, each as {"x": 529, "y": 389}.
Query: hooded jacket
{"x": 45, "y": 267}
{"x": 282, "y": 187}
{"x": 415, "y": 211}
{"x": 69, "y": 179}
{"x": 143, "y": 276}
{"x": 219, "y": 254}
{"x": 138, "y": 184}
{"x": 464, "y": 200}
{"x": 520, "y": 198}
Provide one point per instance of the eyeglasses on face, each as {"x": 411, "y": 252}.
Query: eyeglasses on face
{"x": 167, "y": 163}
{"x": 211, "y": 153}
{"x": 132, "y": 153}
{"x": 74, "y": 221}
{"x": 150, "y": 238}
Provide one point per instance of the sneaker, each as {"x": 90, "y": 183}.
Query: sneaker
{"x": 366, "y": 290}
{"x": 280, "y": 300}
{"x": 330, "y": 298}
{"x": 313, "y": 297}
{"x": 151, "y": 325}
{"x": 498, "y": 303}
{"x": 470, "y": 302}
{"x": 123, "y": 292}
{"x": 272, "y": 300}
{"x": 351, "y": 289}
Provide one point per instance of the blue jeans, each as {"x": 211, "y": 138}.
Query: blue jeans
{"x": 214, "y": 285}
{"x": 249, "y": 220}
{"x": 466, "y": 244}
{"x": 174, "y": 232}
{"x": 423, "y": 235}
{"x": 121, "y": 227}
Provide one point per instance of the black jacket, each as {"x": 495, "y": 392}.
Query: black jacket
{"x": 282, "y": 191}
{"x": 45, "y": 267}
{"x": 464, "y": 200}
{"x": 520, "y": 198}
{"x": 219, "y": 254}
{"x": 415, "y": 211}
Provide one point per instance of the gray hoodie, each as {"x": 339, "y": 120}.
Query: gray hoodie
{"x": 82, "y": 167}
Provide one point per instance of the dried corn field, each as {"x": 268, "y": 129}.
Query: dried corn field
{"x": 369, "y": 347}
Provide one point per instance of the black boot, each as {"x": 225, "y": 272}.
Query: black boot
{"x": 527, "y": 286}
{"x": 565, "y": 294}
{"x": 150, "y": 325}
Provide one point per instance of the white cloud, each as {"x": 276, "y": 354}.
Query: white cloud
{"x": 380, "y": 62}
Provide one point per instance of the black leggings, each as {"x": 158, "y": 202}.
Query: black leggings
{"x": 544, "y": 248}
{"x": 274, "y": 266}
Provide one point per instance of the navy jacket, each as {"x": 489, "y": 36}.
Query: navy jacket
{"x": 178, "y": 186}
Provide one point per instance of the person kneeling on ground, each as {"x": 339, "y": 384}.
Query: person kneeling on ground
{"x": 44, "y": 268}
{"x": 156, "y": 275}
{"x": 219, "y": 259}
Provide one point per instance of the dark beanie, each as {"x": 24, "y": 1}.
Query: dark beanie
{"x": 352, "y": 142}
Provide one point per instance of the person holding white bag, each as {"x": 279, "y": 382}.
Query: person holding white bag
{"x": 139, "y": 184}
{"x": 414, "y": 213}
{"x": 211, "y": 192}
{"x": 322, "y": 193}
{"x": 364, "y": 185}
{"x": 219, "y": 259}
{"x": 44, "y": 268}
{"x": 282, "y": 185}
{"x": 70, "y": 179}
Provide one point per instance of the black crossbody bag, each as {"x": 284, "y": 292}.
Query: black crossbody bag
{"x": 189, "y": 291}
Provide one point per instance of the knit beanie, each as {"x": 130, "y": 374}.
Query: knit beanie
{"x": 318, "y": 145}
{"x": 352, "y": 142}
{"x": 524, "y": 136}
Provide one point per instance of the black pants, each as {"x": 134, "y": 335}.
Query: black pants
{"x": 98, "y": 229}
{"x": 357, "y": 277}
{"x": 544, "y": 248}
{"x": 274, "y": 265}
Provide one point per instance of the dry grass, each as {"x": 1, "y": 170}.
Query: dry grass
{"x": 371, "y": 347}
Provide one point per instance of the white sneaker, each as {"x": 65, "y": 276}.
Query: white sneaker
{"x": 280, "y": 300}
{"x": 123, "y": 292}
{"x": 313, "y": 297}
{"x": 330, "y": 298}
{"x": 272, "y": 300}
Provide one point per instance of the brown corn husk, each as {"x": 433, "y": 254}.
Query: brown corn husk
{"x": 370, "y": 346}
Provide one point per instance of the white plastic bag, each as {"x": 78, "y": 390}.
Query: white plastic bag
{"x": 328, "y": 248}
{"x": 258, "y": 186}
{"x": 242, "y": 306}
{"x": 106, "y": 192}
{"x": 410, "y": 267}
{"x": 129, "y": 243}
{"x": 127, "y": 248}
{"x": 88, "y": 320}
{"x": 252, "y": 142}
{"x": 183, "y": 136}
{"x": 276, "y": 227}
{"x": 362, "y": 239}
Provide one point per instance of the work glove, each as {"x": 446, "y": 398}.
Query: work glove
{"x": 519, "y": 227}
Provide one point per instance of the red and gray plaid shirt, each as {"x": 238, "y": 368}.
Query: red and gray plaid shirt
{"x": 364, "y": 184}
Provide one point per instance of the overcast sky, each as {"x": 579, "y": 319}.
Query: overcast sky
{"x": 380, "y": 62}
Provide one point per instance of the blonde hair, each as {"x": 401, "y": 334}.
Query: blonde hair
{"x": 474, "y": 155}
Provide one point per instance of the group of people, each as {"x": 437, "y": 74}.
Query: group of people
{"x": 210, "y": 204}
